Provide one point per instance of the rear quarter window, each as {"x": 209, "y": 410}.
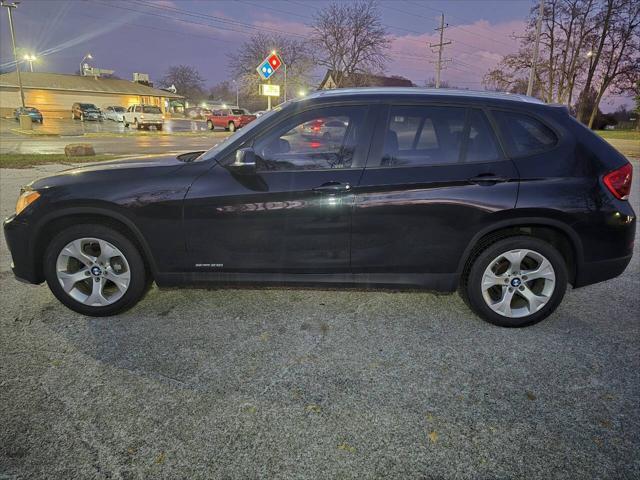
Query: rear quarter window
{"x": 523, "y": 134}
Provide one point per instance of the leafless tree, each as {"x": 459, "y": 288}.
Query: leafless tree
{"x": 620, "y": 51}
{"x": 350, "y": 38}
{"x": 293, "y": 52}
{"x": 584, "y": 45}
{"x": 187, "y": 81}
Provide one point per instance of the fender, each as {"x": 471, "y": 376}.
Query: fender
{"x": 524, "y": 221}
{"x": 93, "y": 210}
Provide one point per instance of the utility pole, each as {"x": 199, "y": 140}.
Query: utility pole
{"x": 440, "y": 48}
{"x": 9, "y": 7}
{"x": 532, "y": 72}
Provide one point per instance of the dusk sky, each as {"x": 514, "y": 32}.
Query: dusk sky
{"x": 148, "y": 36}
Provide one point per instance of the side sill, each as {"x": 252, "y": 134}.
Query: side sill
{"x": 440, "y": 282}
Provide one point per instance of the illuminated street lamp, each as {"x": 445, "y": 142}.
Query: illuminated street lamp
{"x": 30, "y": 59}
{"x": 302, "y": 93}
{"x": 285, "y": 74}
{"x": 88, "y": 55}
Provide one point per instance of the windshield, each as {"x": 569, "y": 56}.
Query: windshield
{"x": 88, "y": 106}
{"x": 211, "y": 153}
{"x": 151, "y": 110}
{"x": 118, "y": 109}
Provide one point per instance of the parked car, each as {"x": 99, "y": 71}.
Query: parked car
{"x": 229, "y": 118}
{"x": 500, "y": 197}
{"x": 197, "y": 112}
{"x": 85, "y": 111}
{"x": 115, "y": 113}
{"x": 320, "y": 129}
{"x": 33, "y": 112}
{"x": 144, "y": 116}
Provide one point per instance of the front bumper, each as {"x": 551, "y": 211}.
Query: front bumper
{"x": 18, "y": 235}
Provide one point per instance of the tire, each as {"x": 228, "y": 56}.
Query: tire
{"x": 492, "y": 267}
{"x": 232, "y": 127}
{"x": 73, "y": 116}
{"x": 113, "y": 303}
{"x": 210, "y": 125}
{"x": 124, "y": 121}
{"x": 136, "y": 125}
{"x": 159, "y": 128}
{"x": 82, "y": 117}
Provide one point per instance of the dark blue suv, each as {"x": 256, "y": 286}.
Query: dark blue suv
{"x": 499, "y": 196}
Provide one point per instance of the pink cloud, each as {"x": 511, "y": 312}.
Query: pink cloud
{"x": 475, "y": 49}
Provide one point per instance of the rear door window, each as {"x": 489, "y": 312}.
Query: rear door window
{"x": 523, "y": 134}
{"x": 424, "y": 135}
{"x": 481, "y": 142}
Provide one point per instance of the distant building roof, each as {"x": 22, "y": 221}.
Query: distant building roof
{"x": 77, "y": 83}
{"x": 333, "y": 79}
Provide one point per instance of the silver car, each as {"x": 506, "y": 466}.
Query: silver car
{"x": 115, "y": 113}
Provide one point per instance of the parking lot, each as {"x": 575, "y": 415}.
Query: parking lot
{"x": 282, "y": 383}
{"x": 110, "y": 137}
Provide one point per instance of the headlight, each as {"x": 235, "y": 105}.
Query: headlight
{"x": 25, "y": 199}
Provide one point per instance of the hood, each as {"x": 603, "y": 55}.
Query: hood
{"x": 154, "y": 164}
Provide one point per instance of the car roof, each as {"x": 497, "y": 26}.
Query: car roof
{"x": 433, "y": 93}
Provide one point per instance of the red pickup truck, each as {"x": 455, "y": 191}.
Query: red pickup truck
{"x": 229, "y": 118}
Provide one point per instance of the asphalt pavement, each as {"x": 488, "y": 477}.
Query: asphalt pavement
{"x": 309, "y": 384}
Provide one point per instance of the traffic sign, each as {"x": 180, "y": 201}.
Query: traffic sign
{"x": 268, "y": 66}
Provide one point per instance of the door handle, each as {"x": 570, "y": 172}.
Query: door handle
{"x": 487, "y": 179}
{"x": 332, "y": 187}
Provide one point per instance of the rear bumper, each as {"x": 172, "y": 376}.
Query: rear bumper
{"x": 18, "y": 237}
{"x": 594, "y": 272}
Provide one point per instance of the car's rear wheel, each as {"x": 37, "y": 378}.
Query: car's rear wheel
{"x": 516, "y": 281}
{"x": 232, "y": 127}
{"x": 95, "y": 270}
{"x": 209, "y": 124}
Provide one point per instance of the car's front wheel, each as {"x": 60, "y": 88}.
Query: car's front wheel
{"x": 209, "y": 124}
{"x": 516, "y": 281}
{"x": 95, "y": 270}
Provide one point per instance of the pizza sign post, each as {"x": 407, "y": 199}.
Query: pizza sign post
{"x": 266, "y": 70}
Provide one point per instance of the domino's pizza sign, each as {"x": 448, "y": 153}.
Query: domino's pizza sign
{"x": 268, "y": 67}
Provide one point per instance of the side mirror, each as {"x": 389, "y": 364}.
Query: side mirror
{"x": 245, "y": 163}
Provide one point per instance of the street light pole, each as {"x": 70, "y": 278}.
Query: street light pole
{"x": 285, "y": 80}
{"x": 532, "y": 72}
{"x": 88, "y": 55}
{"x": 235, "y": 82}
{"x": 9, "y": 7}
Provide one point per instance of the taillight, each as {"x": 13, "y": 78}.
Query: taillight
{"x": 619, "y": 181}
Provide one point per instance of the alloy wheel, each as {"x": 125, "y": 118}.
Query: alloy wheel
{"x": 518, "y": 283}
{"x": 93, "y": 271}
